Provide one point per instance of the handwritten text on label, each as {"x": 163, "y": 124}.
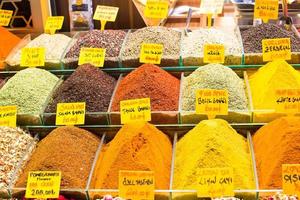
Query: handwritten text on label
{"x": 70, "y": 113}
{"x": 135, "y": 110}
{"x": 151, "y": 53}
{"x": 8, "y": 116}
{"x": 276, "y": 49}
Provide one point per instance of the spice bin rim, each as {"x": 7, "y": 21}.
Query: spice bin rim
{"x": 174, "y": 136}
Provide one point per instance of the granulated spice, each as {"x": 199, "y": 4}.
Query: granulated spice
{"x": 149, "y": 81}
{"x": 87, "y": 84}
{"x": 29, "y": 90}
{"x": 252, "y": 38}
{"x": 269, "y": 78}
{"x": 140, "y": 147}
{"x": 169, "y": 38}
{"x": 211, "y": 144}
{"x": 275, "y": 144}
{"x": 214, "y": 76}
{"x": 68, "y": 149}
{"x": 14, "y": 144}
{"x": 111, "y": 40}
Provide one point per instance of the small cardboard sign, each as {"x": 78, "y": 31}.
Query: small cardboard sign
{"x": 8, "y": 116}
{"x": 151, "y": 53}
{"x": 94, "y": 56}
{"x": 33, "y": 57}
{"x": 156, "y": 9}
{"x": 43, "y": 184}
{"x": 5, "y": 17}
{"x": 54, "y": 23}
{"x": 276, "y": 49}
{"x": 70, "y": 113}
{"x": 106, "y": 13}
{"x": 215, "y": 182}
{"x": 287, "y": 101}
{"x": 266, "y": 10}
{"x": 214, "y": 53}
{"x": 135, "y": 110}
{"x": 291, "y": 179}
{"x": 137, "y": 185}
{"x": 211, "y": 6}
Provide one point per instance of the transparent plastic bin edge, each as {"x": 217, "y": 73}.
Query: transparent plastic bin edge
{"x": 234, "y": 116}
{"x": 157, "y": 117}
{"x": 233, "y": 59}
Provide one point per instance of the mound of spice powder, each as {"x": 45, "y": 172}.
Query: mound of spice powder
{"x": 15, "y": 147}
{"x": 212, "y": 144}
{"x": 252, "y": 38}
{"x": 149, "y": 81}
{"x": 214, "y": 76}
{"x": 275, "y": 144}
{"x": 137, "y": 147}
{"x": 68, "y": 149}
{"x": 111, "y": 40}
{"x": 269, "y": 78}
{"x": 87, "y": 84}
{"x": 29, "y": 90}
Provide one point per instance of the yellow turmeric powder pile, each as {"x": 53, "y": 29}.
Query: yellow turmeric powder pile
{"x": 212, "y": 143}
{"x": 139, "y": 146}
{"x": 272, "y": 76}
{"x": 275, "y": 144}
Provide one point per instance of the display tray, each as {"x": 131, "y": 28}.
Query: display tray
{"x": 230, "y": 59}
{"x": 174, "y": 132}
{"x": 257, "y": 58}
{"x": 133, "y": 61}
{"x": 234, "y": 116}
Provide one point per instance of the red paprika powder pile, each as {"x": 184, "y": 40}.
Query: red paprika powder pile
{"x": 149, "y": 81}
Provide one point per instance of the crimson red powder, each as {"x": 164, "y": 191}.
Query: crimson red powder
{"x": 149, "y": 81}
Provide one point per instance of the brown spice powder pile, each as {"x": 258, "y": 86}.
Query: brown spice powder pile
{"x": 149, "y": 81}
{"x": 87, "y": 84}
{"x": 70, "y": 150}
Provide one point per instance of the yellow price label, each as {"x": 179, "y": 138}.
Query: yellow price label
{"x": 214, "y": 53}
{"x": 5, "y": 17}
{"x": 276, "y": 49}
{"x": 212, "y": 102}
{"x": 43, "y": 184}
{"x": 266, "y": 10}
{"x": 151, "y": 53}
{"x": 106, "y": 13}
{"x": 287, "y": 101}
{"x": 211, "y": 6}
{"x": 54, "y": 23}
{"x": 137, "y": 185}
{"x": 94, "y": 56}
{"x": 8, "y": 116}
{"x": 156, "y": 9}
{"x": 70, "y": 113}
{"x": 291, "y": 179}
{"x": 33, "y": 57}
{"x": 135, "y": 110}
{"x": 215, "y": 182}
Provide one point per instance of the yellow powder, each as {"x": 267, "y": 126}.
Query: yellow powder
{"x": 212, "y": 143}
{"x": 272, "y": 76}
{"x": 139, "y": 146}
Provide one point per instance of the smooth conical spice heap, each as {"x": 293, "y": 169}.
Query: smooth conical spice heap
{"x": 275, "y": 144}
{"x": 87, "y": 84}
{"x": 68, "y": 149}
{"x": 272, "y": 76}
{"x": 149, "y": 81}
{"x": 212, "y": 144}
{"x": 140, "y": 147}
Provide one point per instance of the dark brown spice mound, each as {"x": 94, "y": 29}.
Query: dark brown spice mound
{"x": 87, "y": 84}
{"x": 149, "y": 81}
{"x": 68, "y": 149}
{"x": 252, "y": 38}
{"x": 111, "y": 40}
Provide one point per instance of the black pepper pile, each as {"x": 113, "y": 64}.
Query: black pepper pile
{"x": 252, "y": 38}
{"x": 111, "y": 40}
{"x": 87, "y": 84}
